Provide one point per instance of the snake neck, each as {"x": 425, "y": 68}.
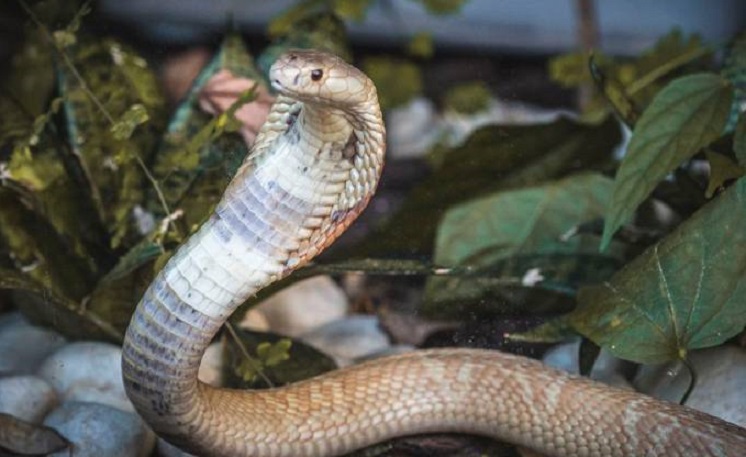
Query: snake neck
{"x": 289, "y": 202}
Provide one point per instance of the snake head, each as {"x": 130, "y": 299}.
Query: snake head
{"x": 319, "y": 77}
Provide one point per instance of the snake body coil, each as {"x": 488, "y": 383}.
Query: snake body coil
{"x": 314, "y": 167}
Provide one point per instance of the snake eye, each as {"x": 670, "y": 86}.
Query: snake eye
{"x": 317, "y": 74}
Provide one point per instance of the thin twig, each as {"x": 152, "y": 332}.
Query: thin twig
{"x": 693, "y": 379}
{"x": 257, "y": 365}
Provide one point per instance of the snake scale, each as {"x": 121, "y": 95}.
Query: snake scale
{"x": 312, "y": 170}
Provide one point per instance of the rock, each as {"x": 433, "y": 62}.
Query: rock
{"x": 349, "y": 338}
{"x": 26, "y": 397}
{"x": 87, "y": 371}
{"x": 721, "y": 382}
{"x": 97, "y": 430}
{"x": 607, "y": 368}
{"x": 24, "y": 346}
{"x": 211, "y": 367}
{"x": 412, "y": 129}
{"x": 304, "y": 306}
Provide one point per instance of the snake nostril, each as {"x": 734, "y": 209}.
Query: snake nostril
{"x": 293, "y": 57}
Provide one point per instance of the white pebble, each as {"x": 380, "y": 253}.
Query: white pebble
{"x": 24, "y": 346}
{"x": 87, "y": 371}
{"x": 97, "y": 430}
{"x": 26, "y": 397}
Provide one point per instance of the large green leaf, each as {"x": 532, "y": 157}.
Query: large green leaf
{"x": 685, "y": 292}
{"x": 513, "y": 232}
{"x": 45, "y": 306}
{"x": 687, "y": 115}
{"x": 39, "y": 249}
{"x": 493, "y": 158}
{"x": 192, "y": 167}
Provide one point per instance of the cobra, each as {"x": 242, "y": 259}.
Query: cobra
{"x": 312, "y": 170}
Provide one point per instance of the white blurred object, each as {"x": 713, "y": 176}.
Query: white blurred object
{"x": 87, "y": 371}
{"x": 299, "y": 308}
{"x": 348, "y": 339}
{"x": 26, "y": 397}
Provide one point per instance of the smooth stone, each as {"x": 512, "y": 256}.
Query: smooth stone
{"x": 24, "y": 346}
{"x": 412, "y": 129}
{"x": 89, "y": 372}
{"x": 304, "y": 306}
{"x": 26, "y": 397}
{"x": 606, "y": 369}
{"x": 348, "y": 339}
{"x": 721, "y": 382}
{"x": 97, "y": 430}
{"x": 211, "y": 368}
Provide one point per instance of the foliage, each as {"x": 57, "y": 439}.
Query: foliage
{"x": 77, "y": 187}
{"x": 628, "y": 85}
{"x": 685, "y": 292}
{"x": 494, "y": 158}
{"x": 687, "y": 115}
{"x": 97, "y": 188}
{"x": 275, "y": 361}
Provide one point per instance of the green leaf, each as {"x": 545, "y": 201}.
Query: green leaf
{"x": 271, "y": 354}
{"x": 196, "y": 154}
{"x": 421, "y": 45}
{"x": 398, "y": 80}
{"x": 142, "y": 253}
{"x": 722, "y": 169}
{"x": 687, "y": 115}
{"x": 278, "y": 358}
{"x": 38, "y": 248}
{"x": 739, "y": 141}
{"x": 136, "y": 114}
{"x": 529, "y": 220}
{"x": 521, "y": 232}
{"x": 493, "y": 158}
{"x": 683, "y": 293}
{"x": 30, "y": 80}
{"x": 468, "y": 98}
{"x": 45, "y": 306}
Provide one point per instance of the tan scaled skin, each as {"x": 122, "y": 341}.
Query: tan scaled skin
{"x": 315, "y": 165}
